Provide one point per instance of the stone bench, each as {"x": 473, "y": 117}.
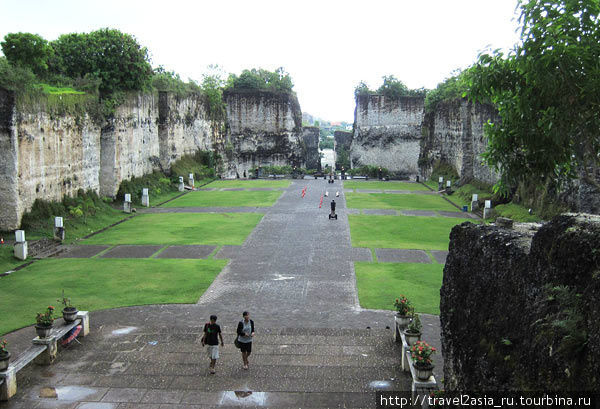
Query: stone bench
{"x": 42, "y": 352}
{"x": 360, "y": 177}
{"x": 407, "y": 364}
{"x": 277, "y": 176}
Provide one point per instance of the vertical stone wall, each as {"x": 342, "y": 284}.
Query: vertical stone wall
{"x": 310, "y": 137}
{"x": 454, "y": 133}
{"x": 264, "y": 128}
{"x": 387, "y": 132}
{"x": 9, "y": 162}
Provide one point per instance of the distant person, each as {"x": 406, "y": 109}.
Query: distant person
{"x": 212, "y": 331}
{"x": 332, "y": 215}
{"x": 380, "y": 173}
{"x": 245, "y": 331}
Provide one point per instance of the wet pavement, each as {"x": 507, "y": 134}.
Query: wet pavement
{"x": 295, "y": 274}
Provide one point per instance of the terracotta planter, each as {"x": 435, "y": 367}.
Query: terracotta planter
{"x": 69, "y": 314}
{"x": 4, "y": 362}
{"x": 424, "y": 372}
{"x": 43, "y": 331}
{"x": 412, "y": 337}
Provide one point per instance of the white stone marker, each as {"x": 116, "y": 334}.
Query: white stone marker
{"x": 145, "y": 198}
{"x": 59, "y": 230}
{"x": 487, "y": 210}
{"x": 181, "y": 185}
{"x": 191, "y": 179}
{"x": 474, "y": 203}
{"x": 448, "y": 183}
{"x": 127, "y": 203}
{"x": 20, "y": 245}
{"x": 440, "y": 183}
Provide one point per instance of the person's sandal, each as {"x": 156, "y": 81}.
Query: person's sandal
{"x": 212, "y": 371}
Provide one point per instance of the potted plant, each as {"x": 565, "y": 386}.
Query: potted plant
{"x": 412, "y": 333}
{"x": 404, "y": 309}
{"x": 69, "y": 312}
{"x": 45, "y": 322}
{"x": 4, "y": 356}
{"x": 420, "y": 354}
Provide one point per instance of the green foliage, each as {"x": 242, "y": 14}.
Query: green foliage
{"x": 15, "y": 78}
{"x": 444, "y": 169}
{"x": 28, "y": 51}
{"x": 155, "y": 182}
{"x": 326, "y": 143}
{"x": 392, "y": 88}
{"x": 362, "y": 89}
{"x": 163, "y": 80}
{"x": 542, "y": 199}
{"x": 415, "y": 326}
{"x": 114, "y": 57}
{"x": 261, "y": 79}
{"x": 277, "y": 170}
{"x": 516, "y": 212}
{"x": 342, "y": 158}
{"x": 202, "y": 164}
{"x": 547, "y": 92}
{"x": 212, "y": 86}
{"x": 456, "y": 86}
{"x": 370, "y": 171}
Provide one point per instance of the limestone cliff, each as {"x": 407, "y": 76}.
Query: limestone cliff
{"x": 264, "y": 128}
{"x": 519, "y": 308}
{"x": 310, "y": 137}
{"x": 387, "y": 132}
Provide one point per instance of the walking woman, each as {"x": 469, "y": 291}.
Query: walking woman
{"x": 245, "y": 331}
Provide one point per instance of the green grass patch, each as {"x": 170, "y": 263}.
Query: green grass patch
{"x": 404, "y": 232}
{"x": 355, "y": 184}
{"x": 174, "y": 228}
{"x": 380, "y": 284}
{"x": 228, "y": 199}
{"x": 398, "y": 202}
{"x": 49, "y": 89}
{"x": 247, "y": 184}
{"x": 96, "y": 284}
{"x": 463, "y": 195}
{"x": 7, "y": 258}
{"x": 516, "y": 212}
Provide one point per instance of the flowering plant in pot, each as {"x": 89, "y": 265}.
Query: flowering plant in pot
{"x": 403, "y": 310}
{"x": 420, "y": 354}
{"x": 4, "y": 356}
{"x": 69, "y": 312}
{"x": 44, "y": 322}
{"x": 412, "y": 333}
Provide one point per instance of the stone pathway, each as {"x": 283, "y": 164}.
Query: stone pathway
{"x": 295, "y": 274}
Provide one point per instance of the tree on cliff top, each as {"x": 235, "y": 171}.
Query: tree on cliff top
{"x": 261, "y": 79}
{"x": 27, "y": 50}
{"x": 547, "y": 92}
{"x": 114, "y": 57}
{"x": 391, "y": 88}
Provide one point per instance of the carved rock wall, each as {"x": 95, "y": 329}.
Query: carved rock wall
{"x": 310, "y": 136}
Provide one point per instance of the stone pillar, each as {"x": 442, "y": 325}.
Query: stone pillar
{"x": 487, "y": 210}
{"x": 20, "y": 245}
{"x": 474, "y": 203}
{"x": 8, "y": 389}
{"x": 127, "y": 203}
{"x": 191, "y": 180}
{"x": 181, "y": 184}
{"x": 59, "y": 229}
{"x": 145, "y": 198}
{"x": 49, "y": 355}
{"x": 85, "y": 322}
{"x": 440, "y": 183}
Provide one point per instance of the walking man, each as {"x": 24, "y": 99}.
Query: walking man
{"x": 245, "y": 331}
{"x": 211, "y": 331}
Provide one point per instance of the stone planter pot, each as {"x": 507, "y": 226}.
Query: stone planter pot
{"x": 402, "y": 321}
{"x": 412, "y": 337}
{"x": 4, "y": 362}
{"x": 43, "y": 331}
{"x": 424, "y": 372}
{"x": 69, "y": 314}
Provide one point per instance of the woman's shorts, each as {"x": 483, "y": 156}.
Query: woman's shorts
{"x": 246, "y": 347}
{"x": 212, "y": 351}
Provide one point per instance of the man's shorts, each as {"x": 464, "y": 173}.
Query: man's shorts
{"x": 212, "y": 351}
{"x": 246, "y": 347}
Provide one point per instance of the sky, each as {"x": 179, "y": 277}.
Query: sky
{"x": 327, "y": 46}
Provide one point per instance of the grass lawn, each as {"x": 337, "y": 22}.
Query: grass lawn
{"x": 186, "y": 228}
{"x": 246, "y": 184}
{"x": 404, "y": 232}
{"x": 355, "y": 184}
{"x": 7, "y": 258}
{"x": 96, "y": 284}
{"x": 398, "y": 202}
{"x": 380, "y": 284}
{"x": 227, "y": 199}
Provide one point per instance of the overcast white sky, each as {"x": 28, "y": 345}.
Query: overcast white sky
{"x": 328, "y": 47}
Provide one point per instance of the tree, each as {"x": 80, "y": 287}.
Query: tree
{"x": 27, "y": 50}
{"x": 547, "y": 92}
{"x": 392, "y": 88}
{"x": 278, "y": 80}
{"x": 114, "y": 57}
{"x": 362, "y": 89}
